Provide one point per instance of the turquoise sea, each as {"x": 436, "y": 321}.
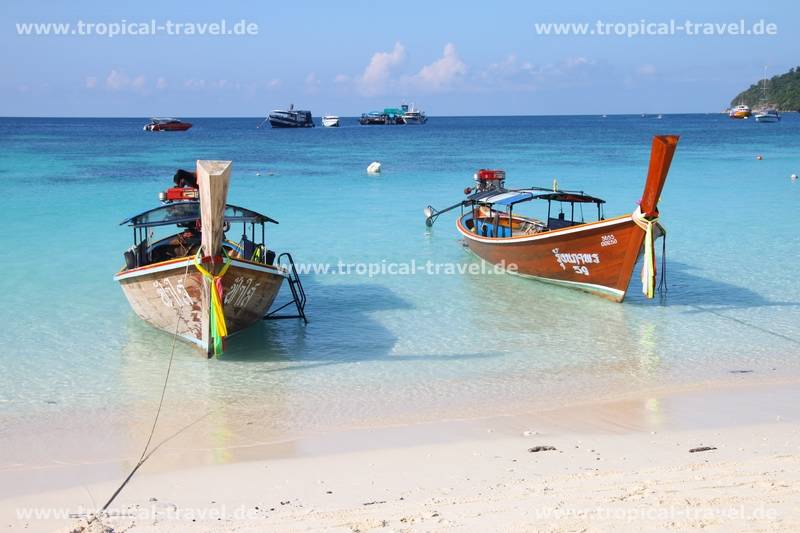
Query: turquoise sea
{"x": 387, "y": 349}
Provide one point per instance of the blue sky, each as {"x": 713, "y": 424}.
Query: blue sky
{"x": 343, "y": 57}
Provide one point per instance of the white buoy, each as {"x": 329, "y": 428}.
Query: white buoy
{"x": 793, "y": 177}
{"x": 374, "y": 168}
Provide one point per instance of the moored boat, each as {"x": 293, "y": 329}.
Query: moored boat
{"x": 290, "y": 118}
{"x": 330, "y": 121}
{"x": 166, "y": 124}
{"x": 766, "y": 112}
{"x": 414, "y": 116}
{"x": 740, "y": 111}
{"x": 373, "y": 118}
{"x": 597, "y": 256}
{"x": 389, "y": 116}
{"x": 768, "y": 115}
{"x": 196, "y": 283}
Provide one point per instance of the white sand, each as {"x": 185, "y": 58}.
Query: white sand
{"x": 599, "y": 478}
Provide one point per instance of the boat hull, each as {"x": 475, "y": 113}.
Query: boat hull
{"x": 283, "y": 123}
{"x": 414, "y": 120}
{"x": 767, "y": 118}
{"x": 330, "y": 122}
{"x": 182, "y": 126}
{"x": 169, "y": 296}
{"x": 597, "y": 257}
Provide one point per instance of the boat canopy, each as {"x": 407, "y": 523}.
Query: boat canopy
{"x": 182, "y": 212}
{"x": 571, "y": 197}
{"x": 510, "y": 198}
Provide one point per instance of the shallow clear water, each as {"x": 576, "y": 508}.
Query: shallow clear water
{"x": 393, "y": 348}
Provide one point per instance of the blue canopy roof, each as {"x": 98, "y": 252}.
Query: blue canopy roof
{"x": 511, "y": 198}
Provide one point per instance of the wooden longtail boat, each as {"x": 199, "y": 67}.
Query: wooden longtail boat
{"x": 597, "y": 257}
{"x": 196, "y": 283}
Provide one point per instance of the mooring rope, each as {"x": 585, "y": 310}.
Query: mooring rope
{"x": 662, "y": 282}
{"x": 145, "y": 454}
{"x": 649, "y": 263}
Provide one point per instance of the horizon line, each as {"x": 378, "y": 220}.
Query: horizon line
{"x": 357, "y": 116}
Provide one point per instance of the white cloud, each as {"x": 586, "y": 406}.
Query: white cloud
{"x": 274, "y": 83}
{"x": 117, "y": 80}
{"x": 514, "y": 74}
{"x": 138, "y": 83}
{"x": 341, "y": 78}
{"x": 194, "y": 84}
{"x": 377, "y": 74}
{"x": 646, "y": 70}
{"x": 161, "y": 83}
{"x": 444, "y": 72}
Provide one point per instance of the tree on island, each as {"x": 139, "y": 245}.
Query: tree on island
{"x": 783, "y": 92}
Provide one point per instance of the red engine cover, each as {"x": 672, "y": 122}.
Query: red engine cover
{"x": 486, "y": 174}
{"x": 182, "y": 193}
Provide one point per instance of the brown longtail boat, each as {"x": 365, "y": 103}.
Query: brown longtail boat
{"x": 196, "y": 283}
{"x": 596, "y": 257}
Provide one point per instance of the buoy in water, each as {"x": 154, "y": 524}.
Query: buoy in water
{"x": 374, "y": 168}
{"x": 759, "y": 158}
{"x": 793, "y": 177}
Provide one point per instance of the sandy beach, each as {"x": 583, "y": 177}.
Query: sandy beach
{"x": 635, "y": 464}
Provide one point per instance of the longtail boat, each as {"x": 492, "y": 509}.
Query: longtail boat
{"x": 596, "y": 257}
{"x": 196, "y": 283}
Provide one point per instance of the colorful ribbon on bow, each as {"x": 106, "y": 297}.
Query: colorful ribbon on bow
{"x": 217, "y": 314}
{"x": 649, "y": 263}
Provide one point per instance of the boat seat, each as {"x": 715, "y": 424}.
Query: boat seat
{"x": 558, "y": 223}
{"x": 248, "y": 247}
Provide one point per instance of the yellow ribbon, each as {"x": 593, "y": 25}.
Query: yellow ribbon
{"x": 219, "y": 330}
{"x": 649, "y": 263}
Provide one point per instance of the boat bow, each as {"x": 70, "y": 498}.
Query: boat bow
{"x": 646, "y": 214}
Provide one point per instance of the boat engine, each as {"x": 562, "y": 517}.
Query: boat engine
{"x": 176, "y": 194}
{"x": 489, "y": 180}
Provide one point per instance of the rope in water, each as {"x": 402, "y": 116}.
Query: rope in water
{"x": 219, "y": 330}
{"x": 649, "y": 263}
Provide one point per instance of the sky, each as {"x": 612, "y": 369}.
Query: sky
{"x": 348, "y": 57}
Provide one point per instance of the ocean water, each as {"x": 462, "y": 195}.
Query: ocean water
{"x": 387, "y": 349}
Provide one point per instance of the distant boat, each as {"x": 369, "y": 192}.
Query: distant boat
{"x": 372, "y": 118}
{"x": 659, "y": 116}
{"x": 765, "y": 112}
{"x": 740, "y": 111}
{"x": 166, "y": 124}
{"x": 768, "y": 115}
{"x": 414, "y": 116}
{"x": 389, "y": 116}
{"x": 330, "y": 121}
{"x": 290, "y": 118}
